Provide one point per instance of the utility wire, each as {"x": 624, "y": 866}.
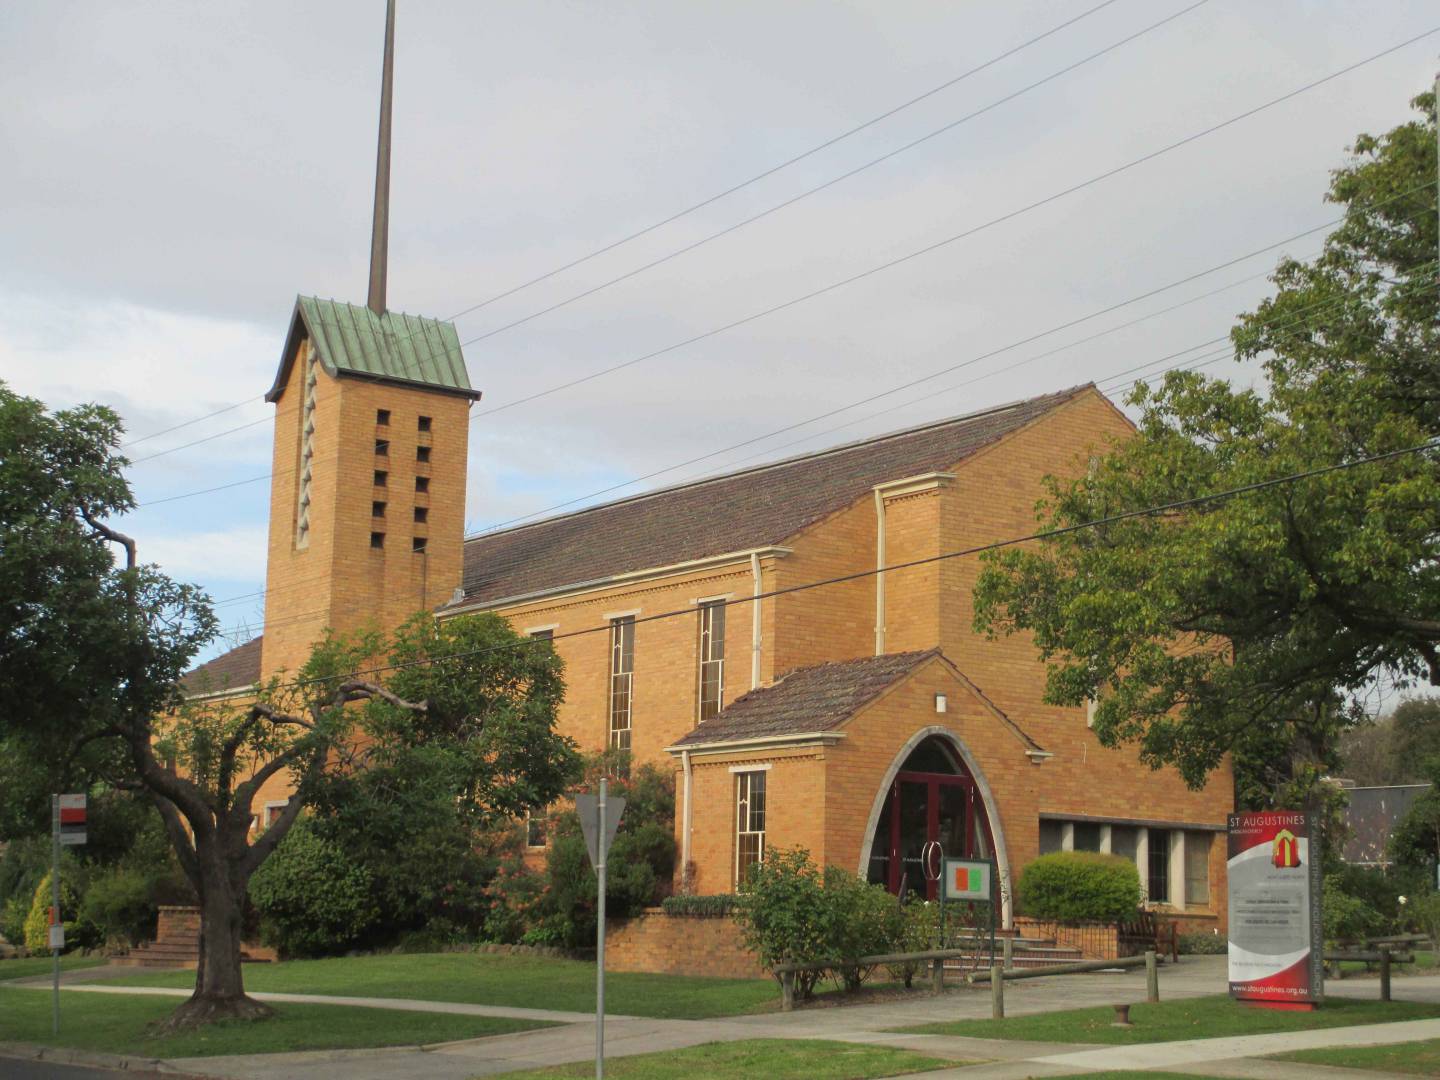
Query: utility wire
{"x": 860, "y": 575}
{"x": 832, "y": 182}
{"x": 771, "y": 171}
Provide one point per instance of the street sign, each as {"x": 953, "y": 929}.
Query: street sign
{"x": 72, "y": 819}
{"x": 57, "y": 936}
{"x": 587, "y": 806}
{"x": 969, "y": 879}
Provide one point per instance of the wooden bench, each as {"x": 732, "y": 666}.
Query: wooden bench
{"x": 1147, "y": 931}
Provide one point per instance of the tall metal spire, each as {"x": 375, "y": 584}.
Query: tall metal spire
{"x": 380, "y": 228}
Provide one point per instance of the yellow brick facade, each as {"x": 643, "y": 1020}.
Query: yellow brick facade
{"x": 821, "y": 794}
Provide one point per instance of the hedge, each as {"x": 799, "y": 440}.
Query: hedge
{"x": 1079, "y": 886}
{"x": 700, "y": 907}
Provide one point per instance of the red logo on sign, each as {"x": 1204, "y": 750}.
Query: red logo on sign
{"x": 1286, "y": 852}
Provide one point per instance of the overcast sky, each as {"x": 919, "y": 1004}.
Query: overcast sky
{"x": 172, "y": 174}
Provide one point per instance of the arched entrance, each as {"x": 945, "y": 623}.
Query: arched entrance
{"x": 932, "y": 797}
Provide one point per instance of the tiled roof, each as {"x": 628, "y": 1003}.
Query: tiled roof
{"x": 754, "y": 508}
{"x": 229, "y": 671}
{"x": 810, "y": 699}
{"x": 353, "y": 340}
{"x": 1372, "y": 816}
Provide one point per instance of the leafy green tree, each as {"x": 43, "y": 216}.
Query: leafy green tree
{"x": 1393, "y": 749}
{"x": 102, "y": 646}
{"x": 1231, "y": 625}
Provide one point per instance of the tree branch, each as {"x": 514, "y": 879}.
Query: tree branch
{"x": 110, "y": 534}
{"x": 180, "y": 840}
{"x": 260, "y": 850}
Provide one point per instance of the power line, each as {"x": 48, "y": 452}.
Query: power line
{"x": 836, "y": 180}
{"x": 771, "y": 171}
{"x": 860, "y": 575}
{"x": 964, "y": 234}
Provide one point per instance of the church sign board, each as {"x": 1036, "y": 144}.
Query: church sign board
{"x": 1276, "y": 943}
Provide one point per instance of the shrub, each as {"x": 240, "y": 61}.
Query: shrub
{"x": 1202, "y": 944}
{"x": 783, "y": 916}
{"x": 78, "y": 932}
{"x": 700, "y": 907}
{"x": 864, "y": 920}
{"x": 1079, "y": 886}
{"x": 1347, "y": 918}
{"x": 1425, "y": 913}
{"x": 312, "y": 899}
{"x": 12, "y": 920}
{"x": 119, "y": 903}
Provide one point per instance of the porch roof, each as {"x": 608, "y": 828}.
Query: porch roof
{"x": 807, "y": 700}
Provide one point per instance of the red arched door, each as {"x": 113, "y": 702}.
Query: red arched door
{"x": 932, "y": 798}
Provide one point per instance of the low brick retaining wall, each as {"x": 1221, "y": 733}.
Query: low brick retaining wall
{"x": 679, "y": 945}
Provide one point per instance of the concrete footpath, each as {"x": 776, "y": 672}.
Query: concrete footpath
{"x": 573, "y": 1037}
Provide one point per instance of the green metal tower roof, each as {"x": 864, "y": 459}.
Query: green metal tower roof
{"x": 393, "y": 347}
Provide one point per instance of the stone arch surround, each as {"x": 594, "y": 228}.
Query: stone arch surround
{"x": 997, "y": 828}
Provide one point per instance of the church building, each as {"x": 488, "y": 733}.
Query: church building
{"x": 801, "y": 698}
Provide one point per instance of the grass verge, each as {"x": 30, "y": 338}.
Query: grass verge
{"x": 1421, "y": 1058}
{"x": 481, "y": 979}
{"x": 774, "y": 1059}
{"x": 1191, "y": 1018}
{"x": 115, "y": 1024}
{"x": 42, "y": 965}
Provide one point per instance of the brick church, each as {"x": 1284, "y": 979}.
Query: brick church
{"x": 861, "y": 720}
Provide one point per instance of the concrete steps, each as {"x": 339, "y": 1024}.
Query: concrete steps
{"x": 176, "y": 944}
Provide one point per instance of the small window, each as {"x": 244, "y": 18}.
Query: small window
{"x": 622, "y": 680}
{"x": 547, "y": 634}
{"x": 712, "y": 658}
{"x": 1051, "y": 836}
{"x": 750, "y": 823}
{"x": 380, "y": 477}
{"x": 534, "y": 828}
{"x": 377, "y": 540}
{"x": 382, "y": 417}
{"x": 422, "y": 484}
{"x": 418, "y": 544}
{"x": 377, "y": 509}
{"x": 382, "y": 447}
{"x": 1124, "y": 841}
{"x": 1157, "y": 880}
{"x": 1087, "y": 836}
{"x": 422, "y": 454}
{"x": 1197, "y": 869}
{"x": 421, "y": 514}
{"x": 424, "y": 423}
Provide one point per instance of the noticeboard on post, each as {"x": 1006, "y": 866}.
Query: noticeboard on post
{"x": 968, "y": 879}
{"x": 1276, "y": 934}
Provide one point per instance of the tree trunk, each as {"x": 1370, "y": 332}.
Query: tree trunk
{"x": 219, "y": 981}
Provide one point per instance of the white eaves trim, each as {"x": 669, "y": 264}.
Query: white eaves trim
{"x": 630, "y": 577}
{"x": 216, "y": 695}
{"x": 762, "y": 742}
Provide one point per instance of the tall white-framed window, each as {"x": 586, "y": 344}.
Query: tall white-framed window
{"x": 712, "y": 658}
{"x": 535, "y": 832}
{"x": 271, "y": 812}
{"x": 749, "y": 822}
{"x": 1197, "y": 869}
{"x": 622, "y": 680}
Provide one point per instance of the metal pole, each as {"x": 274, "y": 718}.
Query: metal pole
{"x": 55, "y": 918}
{"x": 600, "y": 854}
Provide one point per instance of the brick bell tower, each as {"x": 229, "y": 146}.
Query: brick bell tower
{"x": 367, "y": 500}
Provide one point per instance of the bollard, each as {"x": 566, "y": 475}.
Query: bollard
{"x": 1152, "y": 977}
{"x": 1009, "y": 947}
{"x": 937, "y": 975}
{"x": 997, "y": 993}
{"x": 1122, "y": 1017}
{"x": 787, "y": 991}
{"x": 1384, "y": 973}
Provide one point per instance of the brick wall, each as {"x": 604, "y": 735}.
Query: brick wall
{"x": 666, "y": 945}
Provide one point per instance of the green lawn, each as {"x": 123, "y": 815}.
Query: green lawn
{"x": 774, "y": 1059}
{"x": 525, "y": 981}
{"x": 114, "y": 1024}
{"x": 43, "y": 965}
{"x": 1192, "y": 1018}
{"x": 1421, "y": 1058}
